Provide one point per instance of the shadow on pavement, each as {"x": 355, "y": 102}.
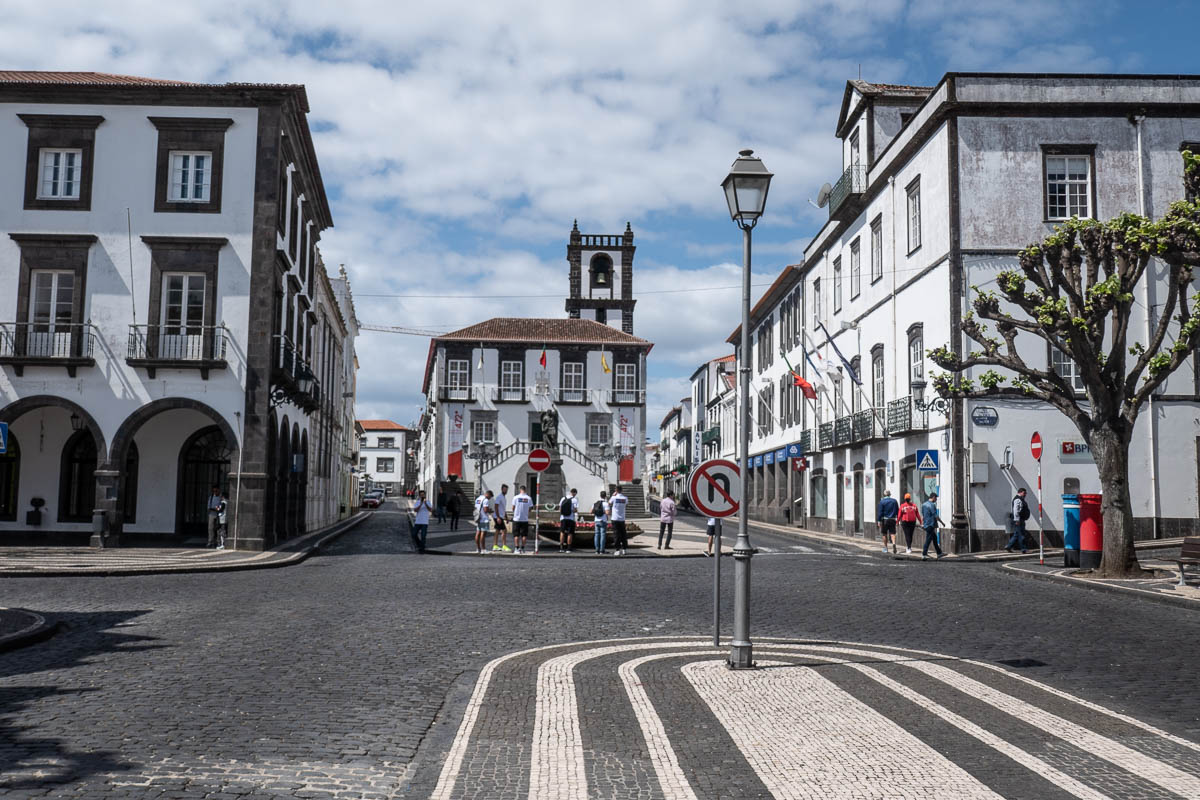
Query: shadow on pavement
{"x": 29, "y": 762}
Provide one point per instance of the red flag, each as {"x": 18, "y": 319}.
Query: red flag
{"x": 806, "y": 388}
{"x": 542, "y": 360}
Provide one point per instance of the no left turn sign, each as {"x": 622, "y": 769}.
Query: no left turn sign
{"x": 714, "y": 488}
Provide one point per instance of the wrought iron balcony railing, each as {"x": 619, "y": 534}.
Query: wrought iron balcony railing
{"x": 868, "y": 425}
{"x": 846, "y": 192}
{"x": 32, "y": 344}
{"x": 903, "y": 416}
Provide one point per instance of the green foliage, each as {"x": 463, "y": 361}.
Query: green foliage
{"x": 1191, "y": 162}
{"x": 991, "y": 379}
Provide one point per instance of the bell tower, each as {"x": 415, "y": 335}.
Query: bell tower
{"x": 602, "y": 277}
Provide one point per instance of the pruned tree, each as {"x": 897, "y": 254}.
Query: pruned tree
{"x": 1075, "y": 291}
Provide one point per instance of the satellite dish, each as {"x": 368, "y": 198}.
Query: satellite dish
{"x": 823, "y": 195}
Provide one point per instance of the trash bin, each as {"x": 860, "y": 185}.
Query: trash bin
{"x": 1070, "y": 530}
{"x": 1091, "y": 531}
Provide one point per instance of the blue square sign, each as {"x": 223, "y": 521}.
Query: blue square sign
{"x": 3, "y": 437}
{"x": 927, "y": 461}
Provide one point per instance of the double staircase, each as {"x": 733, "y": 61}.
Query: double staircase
{"x": 636, "y": 494}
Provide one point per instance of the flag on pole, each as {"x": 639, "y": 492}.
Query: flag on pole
{"x": 806, "y": 388}
{"x": 542, "y": 360}
{"x": 849, "y": 369}
{"x": 818, "y": 380}
{"x": 604, "y": 363}
{"x": 480, "y": 364}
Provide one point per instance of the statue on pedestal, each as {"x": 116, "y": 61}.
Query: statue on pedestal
{"x": 549, "y": 422}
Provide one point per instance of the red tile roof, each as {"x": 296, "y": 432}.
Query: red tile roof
{"x": 726, "y": 359}
{"x": 84, "y": 78}
{"x": 535, "y": 331}
{"x": 380, "y": 425}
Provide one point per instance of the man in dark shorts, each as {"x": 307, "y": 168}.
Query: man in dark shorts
{"x": 499, "y": 528}
{"x": 889, "y": 509}
{"x": 522, "y": 503}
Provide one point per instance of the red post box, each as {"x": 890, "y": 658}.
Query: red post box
{"x": 1091, "y": 531}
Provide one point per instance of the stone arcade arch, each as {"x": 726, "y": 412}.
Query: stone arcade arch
{"x": 110, "y": 479}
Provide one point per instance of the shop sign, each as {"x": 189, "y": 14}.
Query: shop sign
{"x": 1070, "y": 452}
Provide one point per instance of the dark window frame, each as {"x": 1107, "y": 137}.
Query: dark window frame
{"x": 189, "y": 134}
{"x": 1049, "y": 150}
{"x": 197, "y": 255}
{"x": 60, "y": 131}
{"x": 877, "y": 237}
{"x": 49, "y": 251}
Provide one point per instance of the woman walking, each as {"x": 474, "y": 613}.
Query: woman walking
{"x": 454, "y": 506}
{"x": 666, "y": 519}
{"x": 910, "y": 515}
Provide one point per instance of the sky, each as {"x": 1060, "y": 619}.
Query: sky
{"x": 458, "y": 141}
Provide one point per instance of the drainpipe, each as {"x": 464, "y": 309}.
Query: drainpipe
{"x": 1152, "y": 431}
{"x": 895, "y": 352}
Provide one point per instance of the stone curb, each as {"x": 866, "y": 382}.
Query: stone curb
{"x": 1155, "y": 597}
{"x": 320, "y": 539}
{"x": 36, "y": 631}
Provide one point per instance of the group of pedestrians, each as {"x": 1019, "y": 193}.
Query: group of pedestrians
{"x": 909, "y": 516}
{"x": 606, "y": 512}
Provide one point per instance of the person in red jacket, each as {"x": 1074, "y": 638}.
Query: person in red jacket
{"x": 909, "y": 517}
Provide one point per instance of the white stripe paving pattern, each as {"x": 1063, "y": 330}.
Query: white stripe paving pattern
{"x": 797, "y": 731}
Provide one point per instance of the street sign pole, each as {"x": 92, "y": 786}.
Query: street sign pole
{"x": 717, "y": 583}
{"x": 537, "y": 511}
{"x": 1035, "y": 447}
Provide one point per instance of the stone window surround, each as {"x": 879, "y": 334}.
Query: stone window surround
{"x": 916, "y": 330}
{"x": 487, "y": 417}
{"x": 64, "y": 252}
{"x": 191, "y": 134}
{"x": 877, "y": 243}
{"x": 188, "y": 254}
{"x": 66, "y": 131}
{"x": 911, "y": 191}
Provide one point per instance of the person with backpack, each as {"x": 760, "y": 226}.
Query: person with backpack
{"x": 930, "y": 521}
{"x": 222, "y": 527}
{"x": 600, "y": 511}
{"x": 666, "y": 519}
{"x": 1020, "y": 513}
{"x": 886, "y": 516}
{"x": 620, "y": 536}
{"x": 909, "y": 516}
{"x": 568, "y": 507}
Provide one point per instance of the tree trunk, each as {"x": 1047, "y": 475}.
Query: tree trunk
{"x": 1110, "y": 448}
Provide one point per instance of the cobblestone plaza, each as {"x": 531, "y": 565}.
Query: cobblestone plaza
{"x": 370, "y": 671}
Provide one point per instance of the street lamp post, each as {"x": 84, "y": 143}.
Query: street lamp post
{"x": 745, "y": 188}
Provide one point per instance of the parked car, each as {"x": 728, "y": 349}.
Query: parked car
{"x": 373, "y": 499}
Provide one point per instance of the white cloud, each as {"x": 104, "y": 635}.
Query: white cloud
{"x": 463, "y": 137}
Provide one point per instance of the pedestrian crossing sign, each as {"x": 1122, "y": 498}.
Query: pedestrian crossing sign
{"x": 927, "y": 461}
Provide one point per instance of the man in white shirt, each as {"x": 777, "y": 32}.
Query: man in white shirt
{"x": 483, "y": 518}
{"x": 618, "y": 501}
{"x": 568, "y": 507}
{"x": 522, "y": 503}
{"x": 600, "y": 512}
{"x": 500, "y": 507}
{"x": 421, "y": 509}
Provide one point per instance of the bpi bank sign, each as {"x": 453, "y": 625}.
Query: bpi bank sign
{"x": 1070, "y": 452}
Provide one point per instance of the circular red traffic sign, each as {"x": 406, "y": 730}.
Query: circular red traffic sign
{"x": 1035, "y": 445}
{"x": 539, "y": 459}
{"x": 715, "y": 487}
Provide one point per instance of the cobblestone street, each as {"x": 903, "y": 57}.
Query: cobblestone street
{"x": 371, "y": 671}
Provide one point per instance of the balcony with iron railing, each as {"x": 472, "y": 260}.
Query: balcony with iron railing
{"x": 711, "y": 434}
{"x": 291, "y": 371}
{"x": 154, "y": 347}
{"x": 825, "y": 435}
{"x": 626, "y": 397}
{"x": 50, "y": 344}
{"x": 904, "y": 417}
{"x": 577, "y": 396}
{"x": 846, "y": 196}
{"x": 806, "y": 441}
{"x": 843, "y": 428}
{"x": 458, "y": 394}
{"x": 511, "y": 394}
{"x": 868, "y": 425}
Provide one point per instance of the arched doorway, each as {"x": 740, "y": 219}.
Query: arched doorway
{"x": 77, "y": 478}
{"x": 840, "y": 498}
{"x": 129, "y": 484}
{"x": 858, "y": 499}
{"x": 282, "y": 479}
{"x": 270, "y": 491}
{"x": 302, "y": 476}
{"x": 10, "y": 478}
{"x": 293, "y": 481}
{"x": 204, "y": 462}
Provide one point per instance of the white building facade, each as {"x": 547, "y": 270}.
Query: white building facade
{"x": 940, "y": 188}
{"x": 491, "y": 400}
{"x": 167, "y": 331}
{"x": 387, "y": 459}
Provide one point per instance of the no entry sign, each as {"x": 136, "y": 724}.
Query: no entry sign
{"x": 539, "y": 459}
{"x": 715, "y": 487}
{"x": 1035, "y": 445}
